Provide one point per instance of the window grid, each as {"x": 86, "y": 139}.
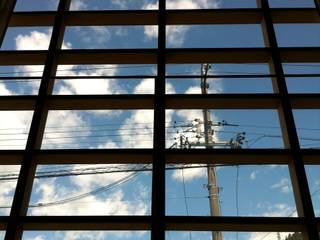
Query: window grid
{"x": 158, "y": 223}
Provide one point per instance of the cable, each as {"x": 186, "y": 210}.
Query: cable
{"x": 237, "y": 196}
{"x": 139, "y": 66}
{"x": 185, "y": 198}
{"x": 315, "y": 192}
{"x": 82, "y": 69}
{"x": 74, "y": 172}
{"x": 84, "y": 195}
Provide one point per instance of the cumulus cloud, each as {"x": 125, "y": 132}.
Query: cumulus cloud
{"x": 190, "y": 174}
{"x": 176, "y": 34}
{"x": 253, "y": 175}
{"x": 273, "y": 210}
{"x": 34, "y": 41}
{"x": 78, "y": 5}
{"x": 113, "y": 202}
{"x": 267, "y": 235}
{"x": 284, "y": 185}
{"x": 7, "y": 189}
{"x": 14, "y": 128}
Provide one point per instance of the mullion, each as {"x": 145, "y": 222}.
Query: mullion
{"x": 28, "y": 166}
{"x": 296, "y": 167}
{"x": 6, "y": 11}
{"x": 158, "y": 176}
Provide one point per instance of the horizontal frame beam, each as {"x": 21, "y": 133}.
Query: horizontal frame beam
{"x": 86, "y": 223}
{"x": 223, "y": 101}
{"x": 173, "y": 17}
{"x": 252, "y": 224}
{"x": 172, "y": 223}
{"x": 173, "y": 101}
{"x": 173, "y": 156}
{"x": 229, "y": 156}
{"x": 173, "y": 56}
{"x": 91, "y": 102}
{"x": 96, "y": 156}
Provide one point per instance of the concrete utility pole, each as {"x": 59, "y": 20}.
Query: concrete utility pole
{"x": 212, "y": 186}
{"x": 207, "y": 133}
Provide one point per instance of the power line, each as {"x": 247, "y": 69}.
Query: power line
{"x": 237, "y": 196}
{"x": 185, "y": 198}
{"x": 84, "y": 195}
{"x": 82, "y": 69}
{"x": 104, "y": 170}
{"x": 315, "y": 192}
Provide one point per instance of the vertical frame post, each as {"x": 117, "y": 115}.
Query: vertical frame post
{"x": 28, "y": 166}
{"x": 296, "y": 167}
{"x": 158, "y": 177}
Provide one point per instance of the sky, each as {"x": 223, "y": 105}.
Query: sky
{"x": 118, "y": 189}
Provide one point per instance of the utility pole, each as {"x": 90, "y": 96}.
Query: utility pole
{"x": 207, "y": 132}
{"x": 213, "y": 189}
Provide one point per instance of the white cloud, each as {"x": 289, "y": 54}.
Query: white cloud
{"x": 284, "y": 185}
{"x": 146, "y": 86}
{"x": 141, "y": 135}
{"x": 14, "y": 126}
{"x": 78, "y": 5}
{"x": 176, "y": 34}
{"x": 7, "y": 188}
{"x": 273, "y": 210}
{"x": 267, "y": 235}
{"x": 253, "y": 175}
{"x": 34, "y": 41}
{"x": 190, "y": 174}
{"x": 61, "y": 138}
{"x": 116, "y": 202}
{"x": 40, "y": 237}
{"x": 4, "y": 91}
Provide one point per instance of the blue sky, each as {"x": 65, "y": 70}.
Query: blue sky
{"x": 263, "y": 190}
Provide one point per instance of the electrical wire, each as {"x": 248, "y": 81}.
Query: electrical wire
{"x": 185, "y": 198}
{"x": 237, "y": 196}
{"x": 138, "y": 66}
{"x": 105, "y": 170}
{"x": 82, "y": 69}
{"x": 291, "y": 214}
{"x": 84, "y": 195}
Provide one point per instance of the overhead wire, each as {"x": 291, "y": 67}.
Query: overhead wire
{"x": 82, "y": 69}
{"x": 136, "y": 66}
{"x": 185, "y": 198}
{"x": 237, "y": 195}
{"x": 84, "y": 195}
{"x": 292, "y": 213}
{"x": 81, "y": 171}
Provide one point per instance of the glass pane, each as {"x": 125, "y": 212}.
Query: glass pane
{"x": 27, "y": 38}
{"x": 298, "y": 35}
{"x": 77, "y": 5}
{"x": 269, "y": 188}
{"x": 8, "y": 181}
{"x": 313, "y": 174}
{"x": 308, "y": 127}
{"x": 214, "y": 36}
{"x": 85, "y": 235}
{"x": 230, "y": 128}
{"x": 291, "y": 4}
{"x": 99, "y": 129}
{"x": 14, "y": 129}
{"x": 36, "y": 5}
{"x": 96, "y": 189}
{"x": 309, "y": 83}
{"x": 184, "y": 235}
{"x": 212, "y": 4}
{"x": 111, "y": 37}
{"x": 89, "y": 79}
